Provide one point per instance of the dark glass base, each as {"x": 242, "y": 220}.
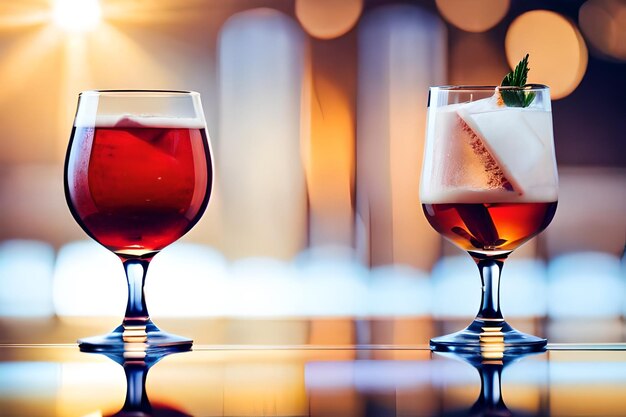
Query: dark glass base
{"x": 146, "y": 339}
{"x": 489, "y": 337}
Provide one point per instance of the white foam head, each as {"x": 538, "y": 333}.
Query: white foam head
{"x": 518, "y": 140}
{"x": 129, "y": 121}
{"x": 139, "y": 109}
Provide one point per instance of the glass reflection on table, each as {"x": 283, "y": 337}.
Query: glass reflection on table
{"x": 320, "y": 381}
{"x": 137, "y": 361}
{"x": 490, "y": 402}
{"x": 446, "y": 385}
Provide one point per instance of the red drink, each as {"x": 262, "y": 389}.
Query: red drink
{"x": 134, "y": 189}
{"x": 489, "y": 227}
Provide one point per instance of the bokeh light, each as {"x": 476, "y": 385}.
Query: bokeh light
{"x": 558, "y": 55}
{"x": 484, "y": 52}
{"x": 31, "y": 294}
{"x": 76, "y": 15}
{"x": 88, "y": 281}
{"x": 402, "y": 51}
{"x": 22, "y": 15}
{"x": 257, "y": 151}
{"x": 329, "y": 162}
{"x": 327, "y": 19}
{"x": 473, "y": 15}
{"x": 89, "y": 389}
{"x": 603, "y": 22}
{"x": 579, "y": 280}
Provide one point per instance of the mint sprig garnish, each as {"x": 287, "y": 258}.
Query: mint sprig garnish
{"x": 517, "y": 78}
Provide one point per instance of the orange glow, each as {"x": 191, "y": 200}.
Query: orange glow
{"x": 330, "y": 163}
{"x": 403, "y": 53}
{"x": 343, "y": 402}
{"x": 524, "y": 397}
{"x": 17, "y": 15}
{"x": 601, "y": 400}
{"x": 90, "y": 388}
{"x": 254, "y": 388}
{"x": 250, "y": 387}
{"x": 75, "y": 77}
{"x": 473, "y": 15}
{"x": 149, "y": 12}
{"x": 419, "y": 401}
{"x": 569, "y": 396}
{"x": 603, "y": 23}
{"x": 412, "y": 235}
{"x": 413, "y": 331}
{"x": 73, "y": 61}
{"x": 488, "y": 63}
{"x": 327, "y": 19}
{"x": 558, "y": 55}
{"x": 42, "y": 71}
{"x": 22, "y": 79}
{"x": 332, "y": 332}
{"x": 139, "y": 69}
{"x": 17, "y": 65}
{"x": 88, "y": 57}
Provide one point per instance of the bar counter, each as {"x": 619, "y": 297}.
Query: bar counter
{"x": 246, "y": 373}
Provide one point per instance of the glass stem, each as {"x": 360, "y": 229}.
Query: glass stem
{"x": 136, "y": 397}
{"x": 136, "y": 310}
{"x": 490, "y": 270}
{"x": 490, "y": 401}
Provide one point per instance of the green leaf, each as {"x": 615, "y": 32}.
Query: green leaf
{"x": 529, "y": 99}
{"x": 517, "y": 78}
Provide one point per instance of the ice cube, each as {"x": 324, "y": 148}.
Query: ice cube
{"x": 509, "y": 140}
{"x": 457, "y": 165}
{"x": 543, "y": 175}
{"x": 460, "y": 160}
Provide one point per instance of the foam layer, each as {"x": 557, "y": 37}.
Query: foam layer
{"x": 468, "y": 195}
{"x": 126, "y": 121}
{"x": 482, "y": 152}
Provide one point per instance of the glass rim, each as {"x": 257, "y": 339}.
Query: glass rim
{"x": 461, "y": 88}
{"x": 138, "y": 92}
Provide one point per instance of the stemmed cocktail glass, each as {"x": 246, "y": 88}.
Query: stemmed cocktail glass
{"x": 138, "y": 176}
{"x": 489, "y": 184}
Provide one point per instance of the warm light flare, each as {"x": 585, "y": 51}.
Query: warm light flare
{"x": 473, "y": 15}
{"x": 402, "y": 52}
{"x": 330, "y": 163}
{"x": 603, "y": 23}
{"x": 76, "y": 15}
{"x": 558, "y": 54}
{"x": 488, "y": 63}
{"x": 328, "y": 19}
{"x": 90, "y": 389}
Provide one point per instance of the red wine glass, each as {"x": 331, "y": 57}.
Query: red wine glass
{"x": 138, "y": 176}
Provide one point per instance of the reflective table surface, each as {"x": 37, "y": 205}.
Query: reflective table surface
{"x": 311, "y": 380}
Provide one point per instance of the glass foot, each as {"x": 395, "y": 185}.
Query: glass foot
{"x": 489, "y": 338}
{"x": 138, "y": 339}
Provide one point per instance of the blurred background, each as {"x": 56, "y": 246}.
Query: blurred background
{"x": 316, "y": 111}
